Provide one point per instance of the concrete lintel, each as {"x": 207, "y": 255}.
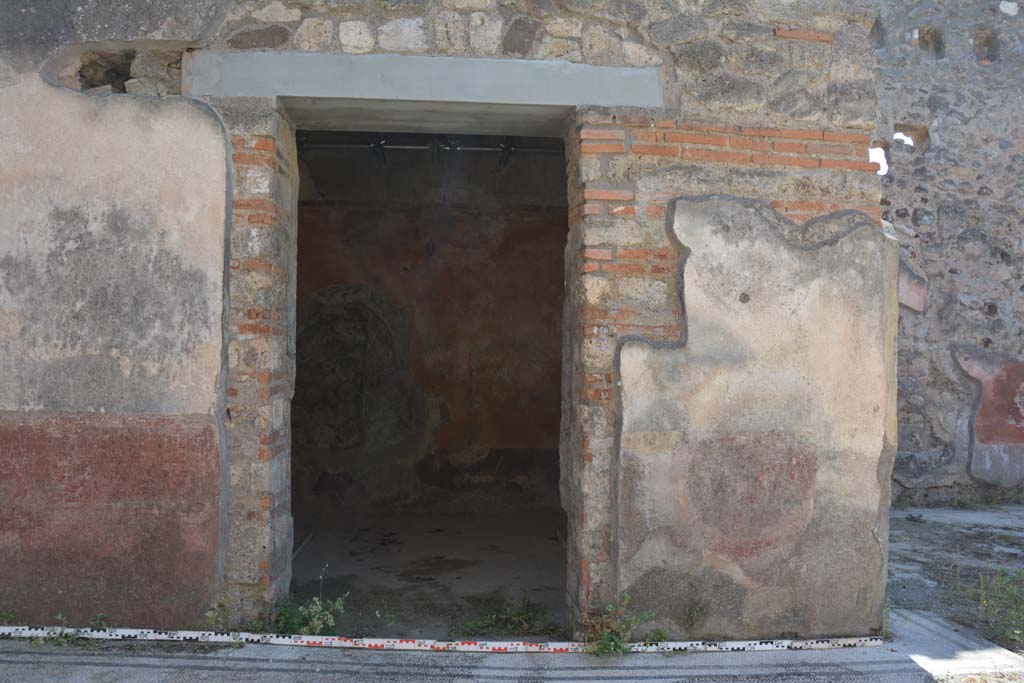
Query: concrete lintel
{"x": 419, "y": 79}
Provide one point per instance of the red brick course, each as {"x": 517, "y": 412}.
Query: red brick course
{"x": 803, "y": 34}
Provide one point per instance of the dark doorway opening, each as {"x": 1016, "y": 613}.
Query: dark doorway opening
{"x": 425, "y": 421}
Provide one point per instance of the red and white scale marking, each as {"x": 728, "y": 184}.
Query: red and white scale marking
{"x": 423, "y": 645}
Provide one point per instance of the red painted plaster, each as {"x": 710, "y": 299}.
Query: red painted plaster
{"x": 1000, "y": 418}
{"x": 108, "y": 513}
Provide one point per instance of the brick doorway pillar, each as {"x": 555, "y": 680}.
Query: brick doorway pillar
{"x": 260, "y": 322}
{"x": 621, "y": 270}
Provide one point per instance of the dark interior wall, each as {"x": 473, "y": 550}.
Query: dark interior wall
{"x": 429, "y": 337}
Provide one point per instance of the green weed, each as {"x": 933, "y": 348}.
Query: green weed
{"x": 66, "y": 636}
{"x": 510, "y": 617}
{"x": 218, "y": 618}
{"x": 1001, "y": 605}
{"x": 609, "y": 633}
{"x": 657, "y": 635}
{"x": 254, "y": 626}
{"x": 312, "y": 618}
{"x": 886, "y": 632}
{"x": 385, "y": 613}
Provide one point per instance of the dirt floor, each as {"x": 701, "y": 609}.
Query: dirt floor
{"x": 444, "y": 577}
{"x": 965, "y": 565}
{"x": 441, "y": 577}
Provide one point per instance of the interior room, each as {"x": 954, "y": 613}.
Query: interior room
{"x": 426, "y": 414}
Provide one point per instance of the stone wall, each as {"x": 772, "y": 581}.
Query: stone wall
{"x": 261, "y": 354}
{"x": 761, "y": 60}
{"x": 949, "y": 79}
{"x": 429, "y": 333}
{"x": 765, "y": 100}
{"x": 112, "y": 247}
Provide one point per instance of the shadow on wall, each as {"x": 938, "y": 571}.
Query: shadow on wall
{"x": 355, "y": 399}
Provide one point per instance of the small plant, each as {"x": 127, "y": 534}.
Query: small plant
{"x": 288, "y": 619}
{"x": 217, "y": 618}
{"x": 886, "y": 632}
{"x": 609, "y": 633}
{"x": 312, "y": 618}
{"x": 66, "y": 635}
{"x": 98, "y": 621}
{"x": 657, "y": 635}
{"x": 385, "y": 613}
{"x": 1001, "y": 605}
{"x": 998, "y": 495}
{"x": 6, "y": 617}
{"x": 254, "y": 626}
{"x": 966, "y": 499}
{"x": 319, "y": 615}
{"x": 513, "y": 618}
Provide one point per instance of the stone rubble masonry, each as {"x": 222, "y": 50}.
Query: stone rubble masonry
{"x": 954, "y": 201}
{"x": 760, "y": 62}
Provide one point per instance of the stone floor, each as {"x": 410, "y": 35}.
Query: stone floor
{"x": 924, "y": 648}
{"x": 941, "y": 559}
{"x": 23, "y": 663}
{"x": 429, "y": 577}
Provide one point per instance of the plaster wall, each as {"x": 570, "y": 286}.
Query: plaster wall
{"x": 112, "y": 248}
{"x": 752, "y": 473}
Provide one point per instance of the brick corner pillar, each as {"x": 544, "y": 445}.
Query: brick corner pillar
{"x": 620, "y": 285}
{"x": 261, "y": 350}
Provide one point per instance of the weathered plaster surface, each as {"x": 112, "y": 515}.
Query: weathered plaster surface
{"x": 754, "y": 461}
{"x": 112, "y": 252}
{"x": 112, "y": 239}
{"x": 629, "y": 288}
{"x": 997, "y": 449}
{"x": 111, "y": 514}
